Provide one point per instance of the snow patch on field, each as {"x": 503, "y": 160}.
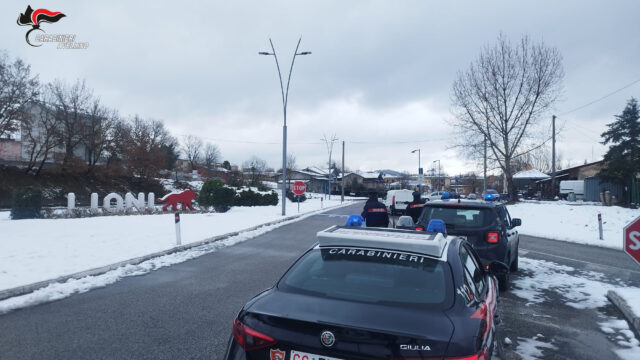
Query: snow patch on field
{"x": 574, "y": 222}
{"x": 532, "y": 348}
{"x": 41, "y": 249}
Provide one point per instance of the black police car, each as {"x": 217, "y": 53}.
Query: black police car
{"x": 487, "y": 226}
{"x": 373, "y": 293}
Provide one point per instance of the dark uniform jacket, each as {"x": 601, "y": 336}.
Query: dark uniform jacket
{"x": 375, "y": 214}
{"x": 414, "y": 209}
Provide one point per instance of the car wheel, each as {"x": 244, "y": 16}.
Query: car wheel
{"x": 514, "y": 264}
{"x": 503, "y": 282}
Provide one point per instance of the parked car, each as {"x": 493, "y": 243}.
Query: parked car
{"x": 436, "y": 195}
{"x": 487, "y": 225}
{"x": 363, "y": 293}
{"x": 472, "y": 196}
{"x": 492, "y": 192}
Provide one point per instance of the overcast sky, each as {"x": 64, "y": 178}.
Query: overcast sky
{"x": 379, "y": 77}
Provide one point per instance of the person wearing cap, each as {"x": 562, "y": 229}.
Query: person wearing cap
{"x": 374, "y": 212}
{"x": 414, "y": 208}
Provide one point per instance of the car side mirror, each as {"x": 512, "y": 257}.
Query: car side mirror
{"x": 497, "y": 268}
{"x": 516, "y": 222}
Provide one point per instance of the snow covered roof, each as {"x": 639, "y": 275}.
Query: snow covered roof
{"x": 530, "y": 174}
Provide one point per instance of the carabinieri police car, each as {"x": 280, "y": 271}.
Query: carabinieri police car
{"x": 373, "y": 293}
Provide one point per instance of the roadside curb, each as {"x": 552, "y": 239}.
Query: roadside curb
{"x": 26, "y": 289}
{"x": 621, "y": 304}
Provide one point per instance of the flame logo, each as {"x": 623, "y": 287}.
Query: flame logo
{"x": 37, "y": 17}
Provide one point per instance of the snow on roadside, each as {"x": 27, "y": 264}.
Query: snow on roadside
{"x": 632, "y": 297}
{"x": 619, "y": 333}
{"x": 41, "y": 249}
{"x": 57, "y": 291}
{"x": 532, "y": 348}
{"x": 581, "y": 289}
{"x": 573, "y": 222}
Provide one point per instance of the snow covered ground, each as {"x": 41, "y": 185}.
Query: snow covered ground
{"x": 579, "y": 289}
{"x": 632, "y": 297}
{"x": 574, "y": 222}
{"x": 42, "y": 249}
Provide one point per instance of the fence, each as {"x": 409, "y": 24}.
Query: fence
{"x": 593, "y": 187}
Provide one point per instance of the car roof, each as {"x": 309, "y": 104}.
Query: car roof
{"x": 423, "y": 243}
{"x": 464, "y": 203}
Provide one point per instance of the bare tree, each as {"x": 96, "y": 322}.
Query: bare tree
{"x": 255, "y": 168}
{"x": 502, "y": 96}
{"x": 193, "y": 150}
{"x": 97, "y": 131}
{"x": 72, "y": 103}
{"x": 144, "y": 152}
{"x": 120, "y": 139}
{"x": 291, "y": 166}
{"x": 39, "y": 136}
{"x": 211, "y": 157}
{"x": 17, "y": 89}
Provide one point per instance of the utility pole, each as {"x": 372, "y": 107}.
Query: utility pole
{"x": 484, "y": 179}
{"x": 342, "y": 194}
{"x": 329, "y": 143}
{"x": 553, "y": 157}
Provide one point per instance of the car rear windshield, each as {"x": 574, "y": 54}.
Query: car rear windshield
{"x": 371, "y": 276}
{"x": 458, "y": 216}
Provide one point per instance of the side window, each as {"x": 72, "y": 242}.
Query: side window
{"x": 473, "y": 270}
{"x": 504, "y": 216}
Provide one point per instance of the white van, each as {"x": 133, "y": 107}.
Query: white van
{"x": 397, "y": 200}
{"x": 572, "y": 186}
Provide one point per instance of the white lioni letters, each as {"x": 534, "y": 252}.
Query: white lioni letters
{"x": 114, "y": 202}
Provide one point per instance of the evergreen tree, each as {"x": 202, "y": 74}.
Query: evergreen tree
{"x": 622, "y": 160}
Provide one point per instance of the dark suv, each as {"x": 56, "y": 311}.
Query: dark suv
{"x": 487, "y": 226}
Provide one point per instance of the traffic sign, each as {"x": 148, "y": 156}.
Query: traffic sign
{"x": 298, "y": 188}
{"x": 632, "y": 239}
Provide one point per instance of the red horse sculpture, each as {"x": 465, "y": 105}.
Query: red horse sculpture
{"x": 173, "y": 199}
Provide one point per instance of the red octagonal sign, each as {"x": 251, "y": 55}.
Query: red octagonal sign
{"x": 632, "y": 239}
{"x": 299, "y": 188}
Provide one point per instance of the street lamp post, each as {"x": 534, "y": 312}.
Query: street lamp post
{"x": 419, "y": 170}
{"x": 438, "y": 173}
{"x": 285, "y": 97}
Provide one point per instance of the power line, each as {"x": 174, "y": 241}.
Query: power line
{"x": 601, "y": 98}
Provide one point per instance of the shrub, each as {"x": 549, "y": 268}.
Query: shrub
{"x": 251, "y": 198}
{"x": 295, "y": 198}
{"x": 223, "y": 198}
{"x": 207, "y": 192}
{"x": 27, "y": 203}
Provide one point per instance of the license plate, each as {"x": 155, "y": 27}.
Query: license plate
{"x": 299, "y": 355}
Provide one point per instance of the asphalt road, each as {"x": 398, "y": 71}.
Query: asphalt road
{"x": 185, "y": 311}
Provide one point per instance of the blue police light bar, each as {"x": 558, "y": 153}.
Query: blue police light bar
{"x": 489, "y": 197}
{"x": 445, "y": 196}
{"x": 355, "y": 220}
{"x": 437, "y": 226}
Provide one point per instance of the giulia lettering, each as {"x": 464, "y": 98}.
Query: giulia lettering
{"x": 415, "y": 347}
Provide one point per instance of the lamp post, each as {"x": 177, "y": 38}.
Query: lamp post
{"x": 285, "y": 97}
{"x": 438, "y": 173}
{"x": 420, "y": 181}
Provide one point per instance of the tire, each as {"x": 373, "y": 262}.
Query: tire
{"x": 514, "y": 264}
{"x": 503, "y": 282}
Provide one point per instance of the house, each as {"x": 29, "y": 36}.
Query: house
{"x": 527, "y": 181}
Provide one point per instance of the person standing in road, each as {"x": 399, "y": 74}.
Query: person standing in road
{"x": 414, "y": 208}
{"x": 374, "y": 212}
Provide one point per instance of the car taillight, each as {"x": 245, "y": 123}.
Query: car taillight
{"x": 492, "y": 237}
{"x": 393, "y": 199}
{"x": 250, "y": 339}
{"x": 418, "y": 228}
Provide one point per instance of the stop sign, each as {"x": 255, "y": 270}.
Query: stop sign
{"x": 298, "y": 188}
{"x": 632, "y": 239}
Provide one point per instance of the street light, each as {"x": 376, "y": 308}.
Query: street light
{"x": 420, "y": 181}
{"x": 285, "y": 97}
{"x": 438, "y": 172}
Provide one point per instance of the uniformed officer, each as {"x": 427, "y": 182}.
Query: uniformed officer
{"x": 414, "y": 208}
{"x": 374, "y": 212}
